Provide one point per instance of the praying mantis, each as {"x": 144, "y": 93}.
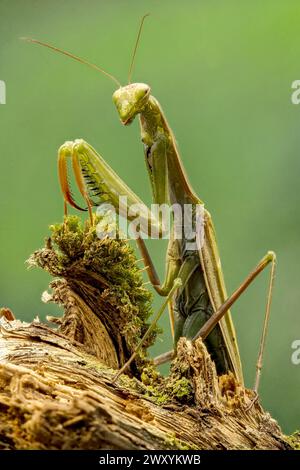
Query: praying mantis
{"x": 193, "y": 287}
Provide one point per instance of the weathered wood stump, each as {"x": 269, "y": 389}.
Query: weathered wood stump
{"x": 56, "y": 389}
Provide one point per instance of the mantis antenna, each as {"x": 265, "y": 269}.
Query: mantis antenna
{"x": 135, "y": 47}
{"x": 72, "y": 56}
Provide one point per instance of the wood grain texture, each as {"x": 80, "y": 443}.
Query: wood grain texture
{"x": 56, "y": 389}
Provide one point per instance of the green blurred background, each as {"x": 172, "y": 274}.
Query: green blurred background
{"x": 222, "y": 72}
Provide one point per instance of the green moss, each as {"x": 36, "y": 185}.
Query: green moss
{"x": 181, "y": 389}
{"x": 156, "y": 395}
{"x": 76, "y": 253}
{"x": 156, "y": 391}
{"x": 150, "y": 375}
{"x": 174, "y": 443}
{"x": 162, "y": 390}
{"x": 294, "y": 440}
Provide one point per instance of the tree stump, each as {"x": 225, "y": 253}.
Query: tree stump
{"x": 56, "y": 383}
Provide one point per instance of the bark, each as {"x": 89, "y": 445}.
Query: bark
{"x": 56, "y": 383}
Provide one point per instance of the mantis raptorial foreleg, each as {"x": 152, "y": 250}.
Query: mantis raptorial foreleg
{"x": 69, "y": 150}
{"x": 97, "y": 182}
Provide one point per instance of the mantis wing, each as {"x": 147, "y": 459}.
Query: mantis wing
{"x": 211, "y": 265}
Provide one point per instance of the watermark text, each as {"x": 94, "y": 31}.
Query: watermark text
{"x": 295, "y": 357}
{"x": 178, "y": 221}
{"x": 2, "y": 92}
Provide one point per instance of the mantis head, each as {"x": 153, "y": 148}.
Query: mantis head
{"x": 130, "y": 100}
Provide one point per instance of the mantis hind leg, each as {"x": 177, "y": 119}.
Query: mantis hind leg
{"x": 266, "y": 322}
{"x": 171, "y": 317}
{"x": 269, "y": 258}
{"x": 177, "y": 285}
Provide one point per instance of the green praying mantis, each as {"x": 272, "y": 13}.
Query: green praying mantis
{"x": 193, "y": 287}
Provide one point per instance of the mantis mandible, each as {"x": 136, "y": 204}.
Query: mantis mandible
{"x": 193, "y": 286}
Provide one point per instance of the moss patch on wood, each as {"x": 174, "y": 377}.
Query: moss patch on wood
{"x": 106, "y": 275}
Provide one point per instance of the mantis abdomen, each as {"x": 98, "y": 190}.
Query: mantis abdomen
{"x": 192, "y": 309}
